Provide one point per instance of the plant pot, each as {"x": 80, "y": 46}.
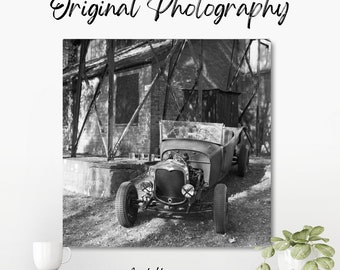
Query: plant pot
{"x": 286, "y": 262}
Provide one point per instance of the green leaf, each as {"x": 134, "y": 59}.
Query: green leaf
{"x": 287, "y": 234}
{"x": 268, "y": 252}
{"x": 317, "y": 230}
{"x": 300, "y": 236}
{"x": 325, "y": 250}
{"x": 276, "y": 239}
{"x": 307, "y": 227}
{"x": 301, "y": 241}
{"x": 301, "y": 251}
{"x": 281, "y": 245}
{"x": 317, "y": 238}
{"x": 325, "y": 263}
{"x": 311, "y": 265}
{"x": 263, "y": 266}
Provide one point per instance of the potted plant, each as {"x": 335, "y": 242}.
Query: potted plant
{"x": 302, "y": 250}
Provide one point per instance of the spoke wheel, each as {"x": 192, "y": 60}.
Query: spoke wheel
{"x": 126, "y": 204}
{"x": 220, "y": 208}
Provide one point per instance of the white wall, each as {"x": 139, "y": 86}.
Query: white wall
{"x": 306, "y": 132}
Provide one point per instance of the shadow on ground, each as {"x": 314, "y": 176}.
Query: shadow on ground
{"x": 91, "y": 222}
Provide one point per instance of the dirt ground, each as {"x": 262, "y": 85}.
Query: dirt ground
{"x": 91, "y": 222}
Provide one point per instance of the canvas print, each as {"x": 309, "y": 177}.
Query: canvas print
{"x": 166, "y": 143}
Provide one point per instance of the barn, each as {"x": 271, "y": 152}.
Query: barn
{"x": 115, "y": 92}
{"x": 196, "y": 80}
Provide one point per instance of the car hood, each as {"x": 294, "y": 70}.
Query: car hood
{"x": 169, "y": 165}
{"x": 206, "y": 148}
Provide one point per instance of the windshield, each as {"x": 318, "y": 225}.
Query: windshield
{"x": 209, "y": 132}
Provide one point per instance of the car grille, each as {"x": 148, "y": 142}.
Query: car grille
{"x": 168, "y": 186}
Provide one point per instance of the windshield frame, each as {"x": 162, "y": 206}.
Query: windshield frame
{"x": 193, "y": 131}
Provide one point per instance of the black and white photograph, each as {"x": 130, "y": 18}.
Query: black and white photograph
{"x": 170, "y": 135}
{"x": 167, "y": 143}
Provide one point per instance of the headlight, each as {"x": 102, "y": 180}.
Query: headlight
{"x": 146, "y": 186}
{"x": 188, "y": 191}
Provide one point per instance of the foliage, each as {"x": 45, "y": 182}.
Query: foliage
{"x": 302, "y": 243}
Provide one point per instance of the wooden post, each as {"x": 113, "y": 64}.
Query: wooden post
{"x": 100, "y": 128}
{"x": 200, "y": 90}
{"x": 167, "y": 89}
{"x": 76, "y": 109}
{"x": 258, "y": 146}
{"x": 111, "y": 44}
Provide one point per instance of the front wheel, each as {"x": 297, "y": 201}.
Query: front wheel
{"x": 127, "y": 204}
{"x": 220, "y": 208}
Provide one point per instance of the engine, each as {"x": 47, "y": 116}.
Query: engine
{"x": 174, "y": 179}
{"x": 196, "y": 177}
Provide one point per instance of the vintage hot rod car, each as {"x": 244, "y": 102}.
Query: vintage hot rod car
{"x": 195, "y": 157}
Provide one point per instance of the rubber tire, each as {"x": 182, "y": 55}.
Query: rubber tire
{"x": 243, "y": 160}
{"x": 126, "y": 204}
{"x": 220, "y": 208}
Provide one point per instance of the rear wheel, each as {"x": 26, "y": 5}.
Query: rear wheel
{"x": 220, "y": 208}
{"x": 126, "y": 204}
{"x": 243, "y": 160}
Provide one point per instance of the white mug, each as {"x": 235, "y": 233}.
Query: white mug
{"x": 49, "y": 255}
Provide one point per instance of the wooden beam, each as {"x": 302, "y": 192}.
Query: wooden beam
{"x": 175, "y": 99}
{"x": 249, "y": 66}
{"x": 231, "y": 62}
{"x": 93, "y": 101}
{"x": 199, "y": 67}
{"x": 239, "y": 67}
{"x": 184, "y": 104}
{"x": 200, "y": 90}
{"x": 100, "y": 127}
{"x": 154, "y": 53}
{"x": 76, "y": 108}
{"x": 247, "y": 106}
{"x": 150, "y": 87}
{"x": 172, "y": 66}
{"x": 193, "y": 54}
{"x": 124, "y": 58}
{"x": 254, "y": 93}
{"x": 165, "y": 103}
{"x": 248, "y": 138}
{"x": 258, "y": 146}
{"x": 168, "y": 78}
{"x": 198, "y": 73}
{"x": 111, "y": 44}
{"x": 178, "y": 56}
